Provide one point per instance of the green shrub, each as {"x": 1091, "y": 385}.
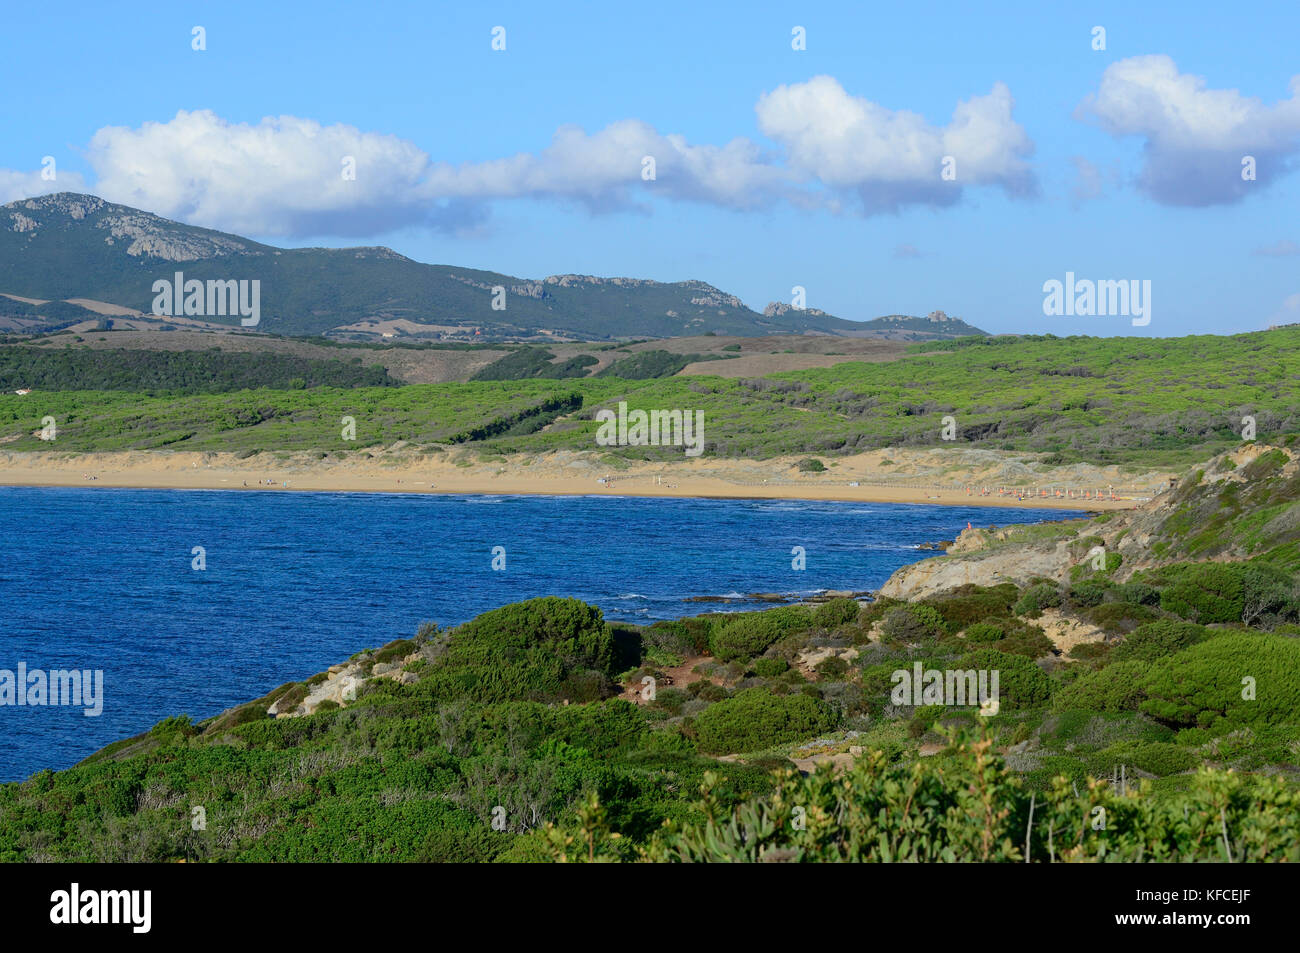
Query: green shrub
{"x": 984, "y": 632}
{"x": 1154, "y": 757}
{"x": 1090, "y": 651}
{"x": 175, "y": 725}
{"x": 393, "y": 651}
{"x": 833, "y": 668}
{"x": 836, "y": 612}
{"x": 1158, "y": 639}
{"x": 543, "y": 650}
{"x": 1270, "y": 596}
{"x": 1139, "y": 593}
{"x": 670, "y": 700}
{"x": 1021, "y": 683}
{"x": 770, "y": 667}
{"x": 708, "y": 691}
{"x": 752, "y": 633}
{"x": 1208, "y": 593}
{"x": 969, "y": 807}
{"x": 1088, "y": 592}
{"x": 1119, "y": 686}
{"x": 969, "y": 604}
{"x": 675, "y": 637}
{"x": 1204, "y": 685}
{"x": 754, "y": 719}
{"x": 1117, "y": 618}
{"x": 1036, "y": 598}
{"x": 923, "y": 718}
{"x": 911, "y": 623}
{"x": 1027, "y": 640}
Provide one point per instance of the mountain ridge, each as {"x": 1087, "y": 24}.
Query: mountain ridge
{"x": 72, "y": 245}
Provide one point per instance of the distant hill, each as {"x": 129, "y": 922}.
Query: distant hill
{"x": 896, "y": 327}
{"x": 69, "y": 245}
{"x": 25, "y": 316}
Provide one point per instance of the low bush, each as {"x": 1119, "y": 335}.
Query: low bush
{"x": 1087, "y": 593}
{"x": 1208, "y": 593}
{"x": 833, "y": 668}
{"x": 836, "y": 612}
{"x": 1158, "y": 758}
{"x": 1238, "y": 678}
{"x": 1158, "y": 639}
{"x": 755, "y": 719}
{"x": 969, "y": 604}
{"x": 1120, "y": 686}
{"x": 984, "y": 632}
{"x": 912, "y": 623}
{"x": 752, "y": 633}
{"x": 1036, "y": 598}
{"x": 1021, "y": 683}
{"x": 769, "y": 667}
{"x": 1117, "y": 618}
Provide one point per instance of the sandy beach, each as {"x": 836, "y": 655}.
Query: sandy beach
{"x": 949, "y": 477}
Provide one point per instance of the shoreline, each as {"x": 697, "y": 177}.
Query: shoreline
{"x": 726, "y": 479}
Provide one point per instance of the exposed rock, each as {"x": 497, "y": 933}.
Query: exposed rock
{"x": 1066, "y": 631}
{"x": 1011, "y": 564}
{"x": 811, "y": 658}
{"x": 718, "y": 299}
{"x": 779, "y": 308}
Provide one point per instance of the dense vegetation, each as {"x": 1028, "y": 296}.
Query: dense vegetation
{"x": 193, "y": 372}
{"x": 1164, "y": 401}
{"x": 534, "y": 362}
{"x": 646, "y": 365}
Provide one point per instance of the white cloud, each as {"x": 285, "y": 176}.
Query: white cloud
{"x": 1195, "y": 137}
{"x": 603, "y": 168}
{"x": 283, "y": 176}
{"x": 25, "y": 185}
{"x": 892, "y": 158}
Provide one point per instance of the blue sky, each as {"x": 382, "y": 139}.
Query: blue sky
{"x": 775, "y": 167}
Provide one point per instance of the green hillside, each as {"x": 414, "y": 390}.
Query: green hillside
{"x": 1156, "y": 401}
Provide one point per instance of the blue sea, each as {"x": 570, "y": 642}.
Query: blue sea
{"x": 104, "y": 579}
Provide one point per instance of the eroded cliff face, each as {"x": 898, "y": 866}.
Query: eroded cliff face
{"x": 1194, "y": 520}
{"x": 1011, "y": 564}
